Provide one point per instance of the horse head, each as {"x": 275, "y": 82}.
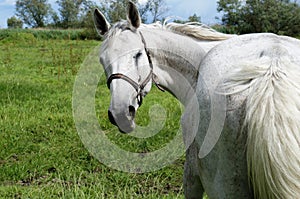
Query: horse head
{"x": 127, "y": 64}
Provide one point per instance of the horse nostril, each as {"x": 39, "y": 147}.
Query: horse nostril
{"x": 111, "y": 118}
{"x": 132, "y": 111}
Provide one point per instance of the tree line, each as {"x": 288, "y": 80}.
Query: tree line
{"x": 238, "y": 16}
{"x": 77, "y": 13}
{"x": 253, "y": 16}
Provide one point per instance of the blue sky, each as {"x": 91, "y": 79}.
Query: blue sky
{"x": 181, "y": 8}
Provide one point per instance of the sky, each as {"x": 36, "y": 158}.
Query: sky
{"x": 207, "y": 9}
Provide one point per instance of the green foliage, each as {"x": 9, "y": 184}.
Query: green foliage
{"x": 89, "y": 31}
{"x": 276, "y": 16}
{"x": 77, "y": 13}
{"x": 231, "y": 10}
{"x": 12, "y": 35}
{"x": 72, "y": 12}
{"x": 19, "y": 37}
{"x": 33, "y": 12}
{"x": 117, "y": 10}
{"x": 281, "y": 17}
{"x": 224, "y": 29}
{"x": 192, "y": 18}
{"x": 14, "y": 22}
{"x": 39, "y": 13}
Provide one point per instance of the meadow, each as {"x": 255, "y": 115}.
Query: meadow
{"x": 41, "y": 154}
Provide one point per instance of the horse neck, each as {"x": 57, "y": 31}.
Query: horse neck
{"x": 176, "y": 62}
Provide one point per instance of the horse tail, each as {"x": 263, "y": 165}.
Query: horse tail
{"x": 272, "y": 121}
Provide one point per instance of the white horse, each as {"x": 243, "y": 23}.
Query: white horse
{"x": 257, "y": 78}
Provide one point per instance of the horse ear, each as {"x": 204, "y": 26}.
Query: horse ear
{"x": 101, "y": 24}
{"x": 133, "y": 15}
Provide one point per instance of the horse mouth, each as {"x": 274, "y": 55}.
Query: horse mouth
{"x": 124, "y": 122}
{"x": 125, "y": 129}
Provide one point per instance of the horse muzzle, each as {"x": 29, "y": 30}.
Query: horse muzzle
{"x": 124, "y": 121}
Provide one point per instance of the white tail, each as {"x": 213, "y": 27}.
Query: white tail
{"x": 273, "y": 123}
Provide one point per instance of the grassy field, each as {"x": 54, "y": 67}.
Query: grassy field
{"x": 41, "y": 154}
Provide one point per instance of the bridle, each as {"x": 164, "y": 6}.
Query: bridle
{"x": 138, "y": 87}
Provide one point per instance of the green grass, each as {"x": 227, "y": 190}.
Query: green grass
{"x": 41, "y": 154}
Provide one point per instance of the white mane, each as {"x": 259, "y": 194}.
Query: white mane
{"x": 197, "y": 31}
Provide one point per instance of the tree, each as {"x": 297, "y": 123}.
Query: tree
{"x": 192, "y": 18}
{"x": 115, "y": 10}
{"x": 293, "y": 19}
{"x": 55, "y": 19}
{"x": 87, "y": 24}
{"x": 14, "y": 22}
{"x": 260, "y": 16}
{"x": 72, "y": 11}
{"x": 34, "y": 13}
{"x": 231, "y": 10}
{"x": 157, "y": 8}
{"x": 276, "y": 16}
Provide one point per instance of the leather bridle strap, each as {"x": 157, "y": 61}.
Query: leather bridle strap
{"x": 138, "y": 87}
{"x": 124, "y": 77}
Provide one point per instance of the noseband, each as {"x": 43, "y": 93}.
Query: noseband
{"x": 138, "y": 87}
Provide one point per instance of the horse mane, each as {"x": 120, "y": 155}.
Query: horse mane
{"x": 197, "y": 31}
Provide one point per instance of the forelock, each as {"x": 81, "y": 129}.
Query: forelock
{"x": 117, "y": 28}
